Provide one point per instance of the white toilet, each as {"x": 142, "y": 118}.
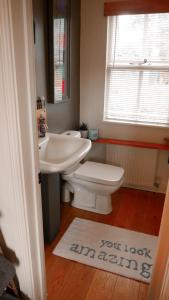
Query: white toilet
{"x": 92, "y": 184}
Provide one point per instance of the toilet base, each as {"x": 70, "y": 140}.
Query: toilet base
{"x": 99, "y": 208}
{"x": 101, "y": 204}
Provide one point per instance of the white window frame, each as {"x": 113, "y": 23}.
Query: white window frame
{"x": 111, "y": 29}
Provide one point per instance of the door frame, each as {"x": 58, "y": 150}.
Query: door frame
{"x": 20, "y": 197}
{"x": 159, "y": 287}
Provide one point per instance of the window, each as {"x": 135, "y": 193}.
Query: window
{"x": 61, "y": 59}
{"x": 58, "y": 43}
{"x": 137, "y": 71}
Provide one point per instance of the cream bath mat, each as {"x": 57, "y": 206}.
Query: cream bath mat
{"x": 124, "y": 252}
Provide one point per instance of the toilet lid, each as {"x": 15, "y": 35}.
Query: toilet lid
{"x": 99, "y": 173}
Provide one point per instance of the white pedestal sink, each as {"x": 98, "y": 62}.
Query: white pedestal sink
{"x": 57, "y": 152}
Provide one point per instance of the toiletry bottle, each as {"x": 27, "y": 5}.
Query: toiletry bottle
{"x": 44, "y": 113}
{"x": 42, "y": 126}
{"x": 39, "y": 103}
{"x": 43, "y": 102}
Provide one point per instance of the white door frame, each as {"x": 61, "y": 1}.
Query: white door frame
{"x": 20, "y": 199}
{"x": 159, "y": 287}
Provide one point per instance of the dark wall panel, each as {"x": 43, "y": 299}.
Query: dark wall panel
{"x": 40, "y": 23}
{"x": 65, "y": 115}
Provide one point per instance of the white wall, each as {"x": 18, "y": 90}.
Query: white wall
{"x": 92, "y": 72}
{"x": 93, "y": 60}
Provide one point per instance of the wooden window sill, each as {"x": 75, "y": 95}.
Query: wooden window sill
{"x": 132, "y": 144}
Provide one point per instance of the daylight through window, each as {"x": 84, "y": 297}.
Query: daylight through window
{"x": 137, "y": 71}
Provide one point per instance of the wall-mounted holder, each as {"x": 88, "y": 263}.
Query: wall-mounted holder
{"x": 93, "y": 134}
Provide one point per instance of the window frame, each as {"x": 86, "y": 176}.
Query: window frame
{"x": 56, "y": 10}
{"x": 66, "y": 60}
{"x": 111, "y": 30}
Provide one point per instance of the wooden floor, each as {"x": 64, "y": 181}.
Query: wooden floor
{"x": 67, "y": 280}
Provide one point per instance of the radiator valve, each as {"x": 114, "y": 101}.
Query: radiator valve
{"x": 157, "y": 181}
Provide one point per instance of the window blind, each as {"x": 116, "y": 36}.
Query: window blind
{"x": 137, "y": 71}
{"x": 59, "y": 47}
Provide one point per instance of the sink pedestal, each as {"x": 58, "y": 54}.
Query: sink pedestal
{"x": 50, "y": 188}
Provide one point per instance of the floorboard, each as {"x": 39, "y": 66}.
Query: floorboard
{"x": 132, "y": 209}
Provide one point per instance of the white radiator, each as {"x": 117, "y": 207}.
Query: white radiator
{"x": 139, "y": 164}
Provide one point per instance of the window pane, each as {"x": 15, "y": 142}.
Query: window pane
{"x": 137, "y": 96}
{"x": 140, "y": 37}
{"x": 122, "y": 97}
{"x": 137, "y": 74}
{"x": 154, "y": 97}
{"x": 59, "y": 59}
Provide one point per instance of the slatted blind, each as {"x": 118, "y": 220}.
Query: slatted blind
{"x": 137, "y": 72}
{"x": 59, "y": 46}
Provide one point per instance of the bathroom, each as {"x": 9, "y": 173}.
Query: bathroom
{"x": 87, "y": 80}
{"x": 136, "y": 153}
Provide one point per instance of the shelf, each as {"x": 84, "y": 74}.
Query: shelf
{"x": 132, "y": 144}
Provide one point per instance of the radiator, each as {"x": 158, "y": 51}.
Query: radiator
{"x": 139, "y": 164}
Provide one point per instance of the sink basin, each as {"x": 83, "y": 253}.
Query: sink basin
{"x": 57, "y": 152}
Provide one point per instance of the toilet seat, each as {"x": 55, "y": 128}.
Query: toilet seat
{"x": 92, "y": 185}
{"x": 99, "y": 173}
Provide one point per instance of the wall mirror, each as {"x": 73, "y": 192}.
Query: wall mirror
{"x": 59, "y": 51}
